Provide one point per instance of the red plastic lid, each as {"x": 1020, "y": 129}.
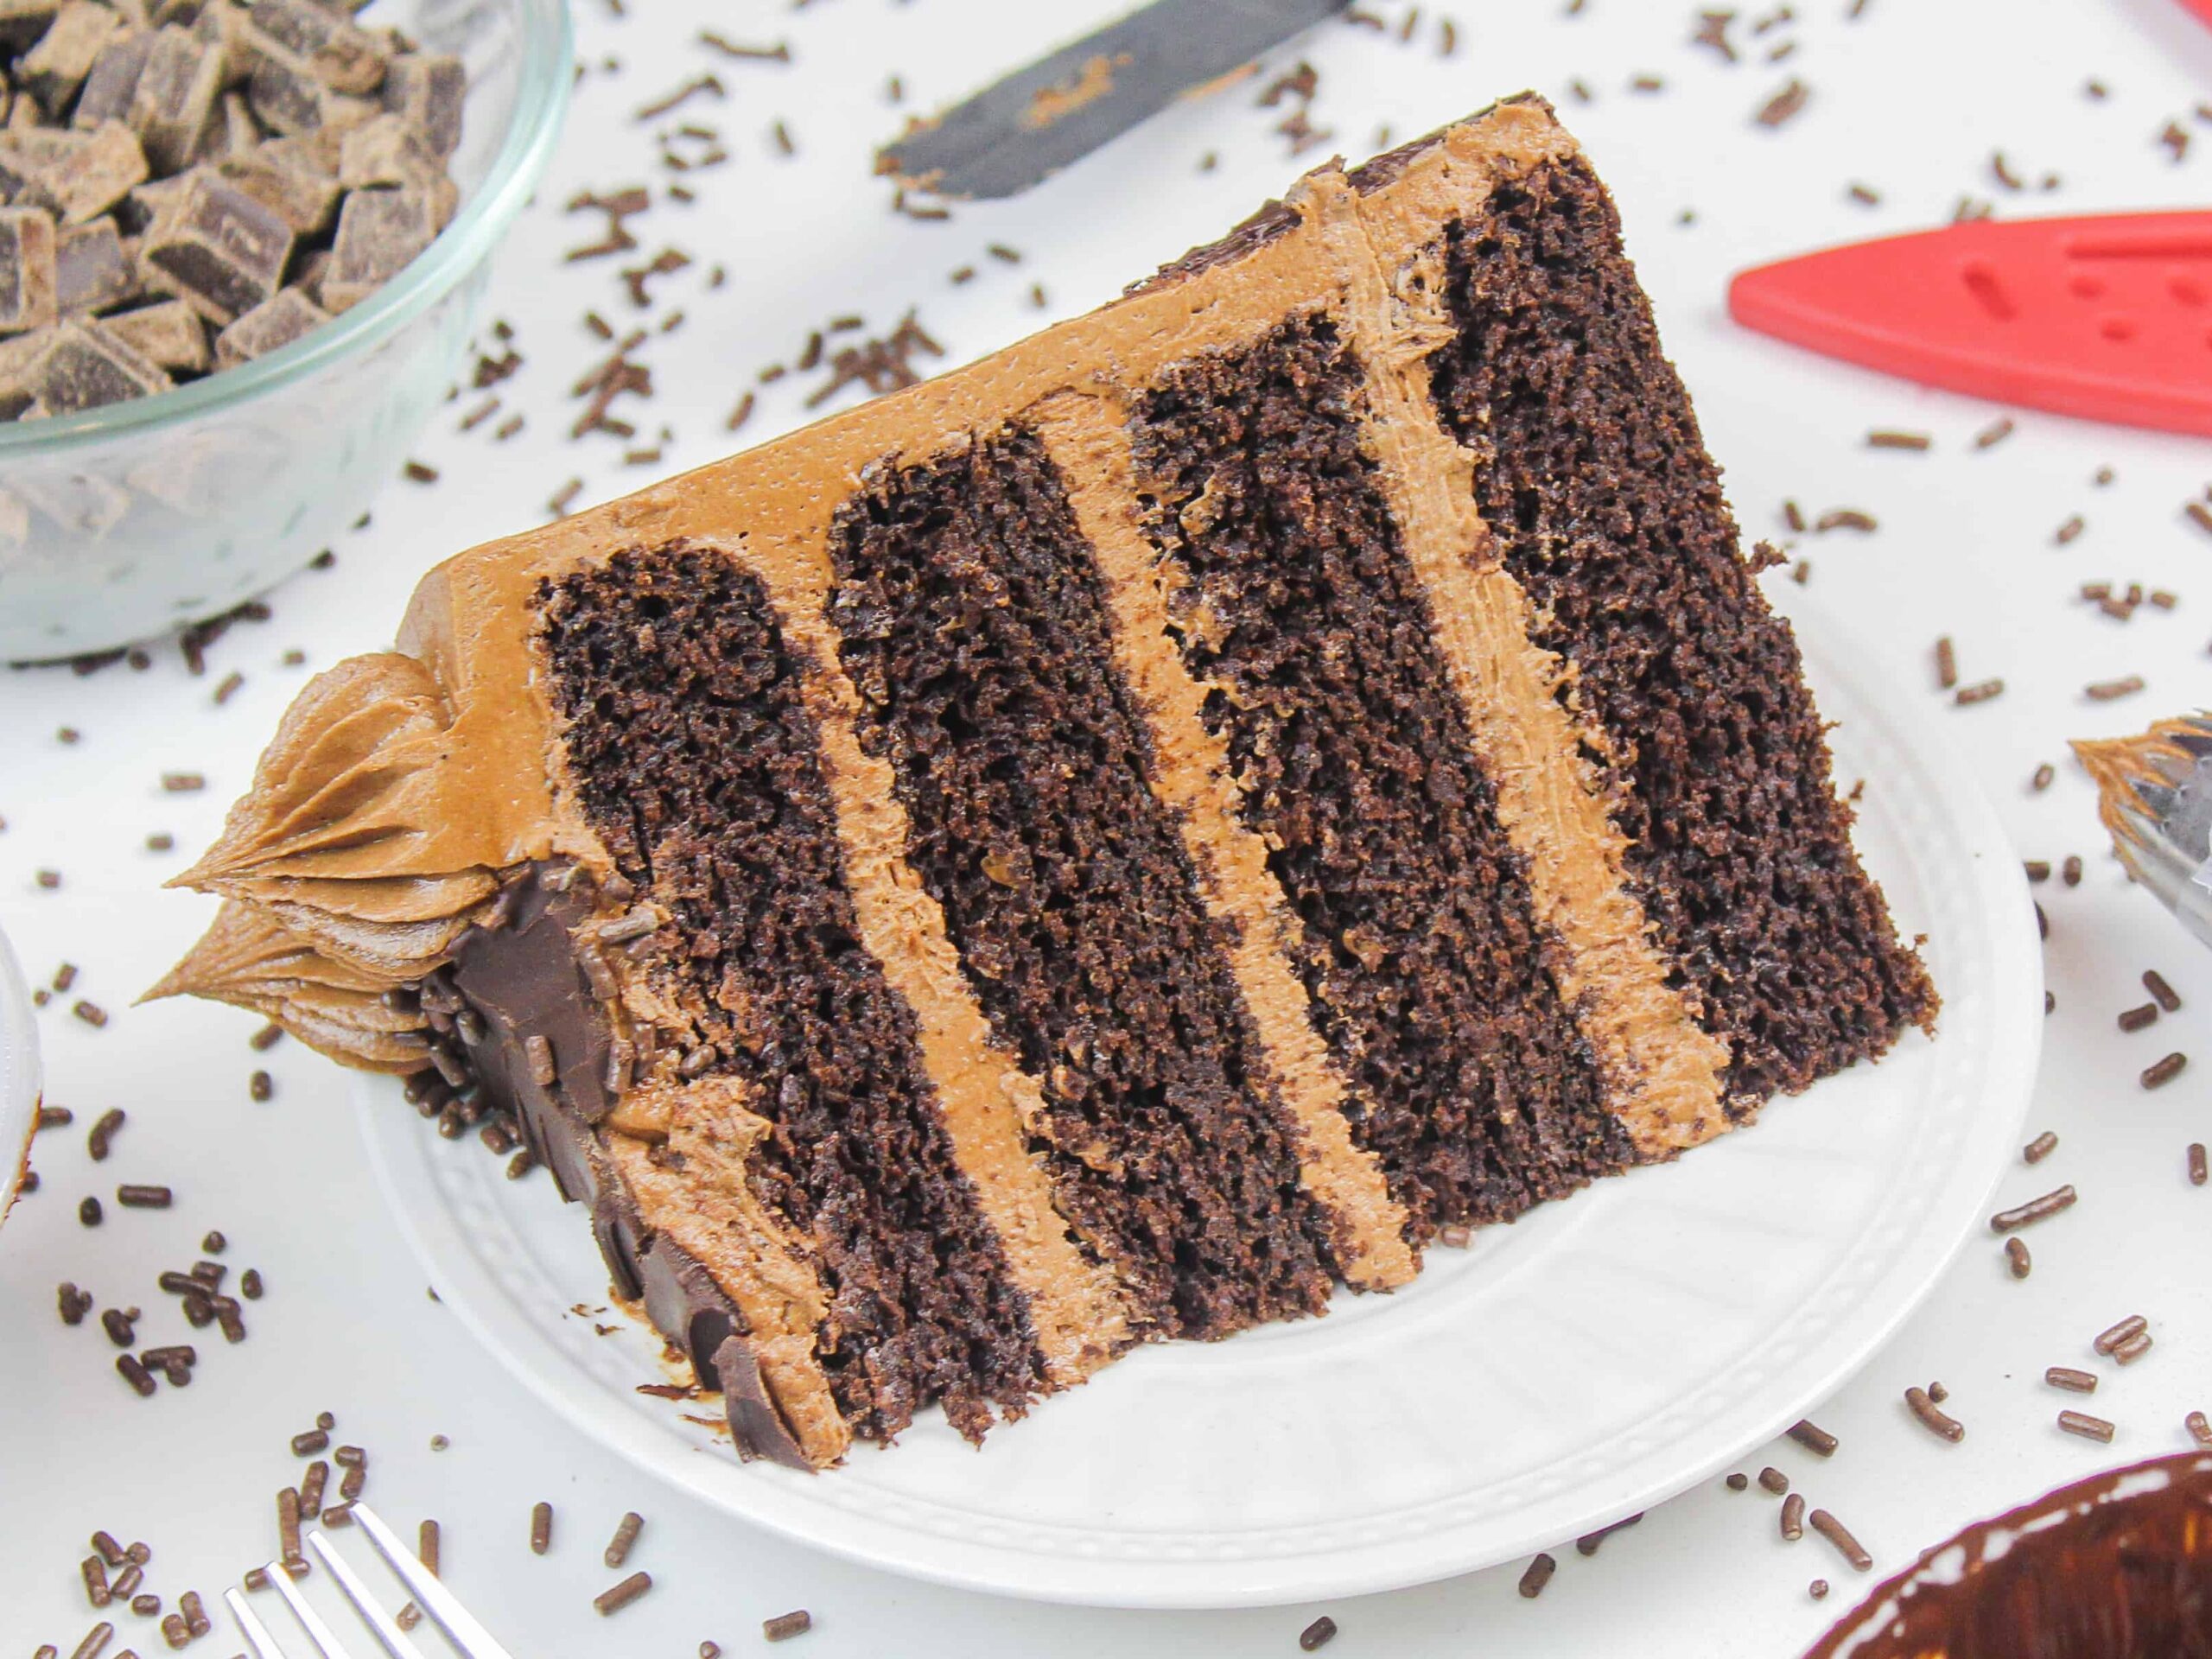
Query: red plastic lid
{"x": 2107, "y": 318}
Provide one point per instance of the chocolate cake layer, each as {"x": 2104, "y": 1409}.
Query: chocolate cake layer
{"x": 1592, "y": 475}
{"x": 691, "y": 749}
{"x": 1293, "y": 601}
{"x": 972, "y": 624}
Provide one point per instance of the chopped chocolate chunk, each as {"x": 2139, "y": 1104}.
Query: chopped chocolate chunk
{"x": 29, "y": 280}
{"x": 224, "y": 251}
{"x": 170, "y": 335}
{"x": 379, "y": 232}
{"x": 278, "y": 321}
{"x": 174, "y": 94}
{"x": 93, "y": 271}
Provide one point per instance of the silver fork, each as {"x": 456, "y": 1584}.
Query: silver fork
{"x": 469, "y": 1637}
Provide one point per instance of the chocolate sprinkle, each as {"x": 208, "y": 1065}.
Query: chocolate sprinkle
{"x": 2196, "y": 1163}
{"x": 1537, "y": 1575}
{"x": 2163, "y": 994}
{"x": 2040, "y": 1148}
{"x": 1835, "y": 1531}
{"x": 1588, "y": 1543}
{"x": 1314, "y": 1636}
{"x": 2161, "y": 1072}
{"x": 1793, "y": 1517}
{"x": 2034, "y": 1209}
{"x": 1933, "y": 1417}
{"x": 1817, "y": 1440}
{"x": 2016, "y": 1257}
{"x": 2088, "y": 1427}
{"x": 2073, "y": 1381}
{"x": 626, "y": 1535}
{"x": 613, "y": 1601}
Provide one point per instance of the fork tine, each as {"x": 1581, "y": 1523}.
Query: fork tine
{"x": 394, "y": 1639}
{"x": 472, "y": 1638}
{"x": 325, "y": 1642}
{"x": 256, "y": 1633}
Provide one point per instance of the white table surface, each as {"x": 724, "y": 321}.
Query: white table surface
{"x": 1911, "y": 98}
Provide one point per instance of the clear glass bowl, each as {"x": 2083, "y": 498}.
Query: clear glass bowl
{"x": 127, "y": 520}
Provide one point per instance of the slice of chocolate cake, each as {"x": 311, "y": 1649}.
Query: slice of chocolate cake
{"x": 1110, "y": 843}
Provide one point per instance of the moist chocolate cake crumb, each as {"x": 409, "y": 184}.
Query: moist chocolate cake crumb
{"x": 1420, "y": 947}
{"x": 972, "y": 621}
{"x": 697, "y": 762}
{"x": 1593, "y": 476}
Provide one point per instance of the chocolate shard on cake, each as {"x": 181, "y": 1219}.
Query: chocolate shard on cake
{"x": 2116, "y": 1567}
{"x": 1110, "y": 843}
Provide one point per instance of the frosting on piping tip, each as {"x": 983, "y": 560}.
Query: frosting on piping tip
{"x": 349, "y": 836}
{"x": 252, "y": 959}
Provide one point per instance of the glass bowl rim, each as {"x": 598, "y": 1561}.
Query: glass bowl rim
{"x": 546, "y": 41}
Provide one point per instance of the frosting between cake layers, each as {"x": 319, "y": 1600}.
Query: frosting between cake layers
{"x": 989, "y": 1105}
{"x": 1663, "y": 1070}
{"x": 1087, "y": 437}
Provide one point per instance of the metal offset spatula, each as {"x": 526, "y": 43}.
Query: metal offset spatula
{"x": 2154, "y": 793}
{"x": 1028, "y": 126}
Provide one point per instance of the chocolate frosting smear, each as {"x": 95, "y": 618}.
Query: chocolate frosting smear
{"x": 2117, "y": 1566}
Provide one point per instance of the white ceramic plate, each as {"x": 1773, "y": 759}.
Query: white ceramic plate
{"x": 1600, "y": 1355}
